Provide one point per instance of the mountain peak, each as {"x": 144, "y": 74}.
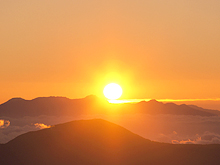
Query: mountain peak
{"x": 154, "y": 101}
{"x": 16, "y": 98}
{"x": 91, "y": 97}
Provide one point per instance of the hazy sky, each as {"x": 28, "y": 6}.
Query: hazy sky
{"x": 153, "y": 49}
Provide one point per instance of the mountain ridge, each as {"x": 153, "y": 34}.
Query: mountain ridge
{"x": 58, "y": 106}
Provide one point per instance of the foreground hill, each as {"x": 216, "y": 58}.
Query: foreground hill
{"x": 100, "y": 142}
{"x": 61, "y": 106}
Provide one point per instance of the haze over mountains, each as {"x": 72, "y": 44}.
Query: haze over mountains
{"x": 56, "y": 106}
{"x": 163, "y": 122}
{"x": 100, "y": 142}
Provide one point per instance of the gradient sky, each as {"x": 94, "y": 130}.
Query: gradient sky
{"x": 162, "y": 49}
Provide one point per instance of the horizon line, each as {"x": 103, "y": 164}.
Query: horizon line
{"x": 121, "y": 101}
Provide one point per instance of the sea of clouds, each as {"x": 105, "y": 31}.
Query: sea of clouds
{"x": 176, "y": 129}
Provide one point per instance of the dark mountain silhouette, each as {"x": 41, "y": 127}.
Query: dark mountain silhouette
{"x": 100, "y": 142}
{"x": 58, "y": 106}
{"x": 155, "y": 107}
{"x": 55, "y": 106}
{"x": 216, "y": 112}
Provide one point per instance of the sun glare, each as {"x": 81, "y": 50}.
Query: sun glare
{"x": 112, "y": 91}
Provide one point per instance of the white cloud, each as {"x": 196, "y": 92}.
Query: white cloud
{"x": 41, "y": 125}
{"x": 4, "y": 123}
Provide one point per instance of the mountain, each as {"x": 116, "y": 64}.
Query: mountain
{"x": 54, "y": 106}
{"x": 62, "y": 106}
{"x": 155, "y": 107}
{"x": 100, "y": 142}
{"x": 216, "y": 112}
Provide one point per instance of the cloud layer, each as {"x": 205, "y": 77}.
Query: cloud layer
{"x": 174, "y": 129}
{"x": 206, "y": 138}
{"x": 19, "y": 126}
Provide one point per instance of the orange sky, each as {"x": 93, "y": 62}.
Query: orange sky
{"x": 154, "y": 49}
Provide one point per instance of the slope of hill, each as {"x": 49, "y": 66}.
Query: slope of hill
{"x": 58, "y": 106}
{"x": 99, "y": 142}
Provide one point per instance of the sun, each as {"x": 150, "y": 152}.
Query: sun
{"x": 112, "y": 91}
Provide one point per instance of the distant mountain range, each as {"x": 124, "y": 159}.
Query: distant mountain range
{"x": 61, "y": 106}
{"x": 98, "y": 142}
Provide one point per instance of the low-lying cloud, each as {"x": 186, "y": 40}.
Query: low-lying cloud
{"x": 174, "y": 129}
{"x": 22, "y": 125}
{"x": 4, "y": 123}
{"x": 206, "y": 138}
{"x": 41, "y": 125}
{"x": 178, "y": 129}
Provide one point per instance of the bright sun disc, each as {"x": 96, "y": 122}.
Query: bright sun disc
{"x": 112, "y": 91}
